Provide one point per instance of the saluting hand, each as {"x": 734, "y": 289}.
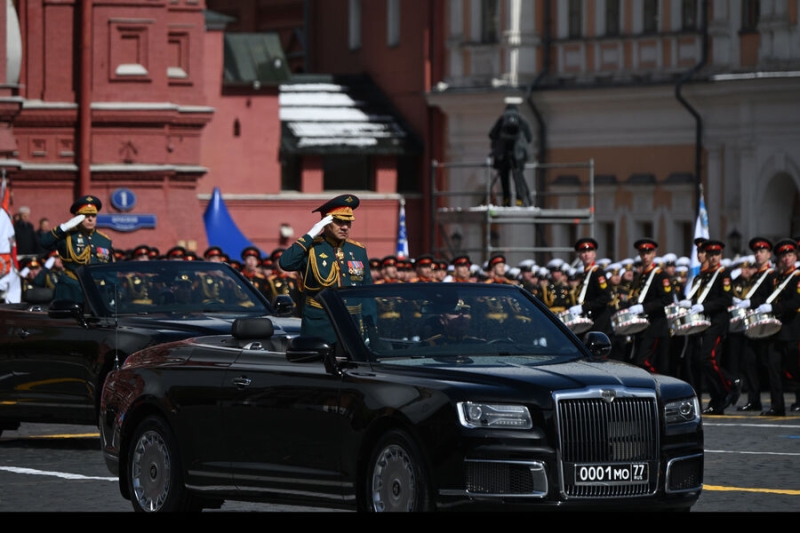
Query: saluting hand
{"x": 71, "y": 223}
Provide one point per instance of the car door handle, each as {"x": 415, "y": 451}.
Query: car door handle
{"x": 23, "y": 333}
{"x": 241, "y": 382}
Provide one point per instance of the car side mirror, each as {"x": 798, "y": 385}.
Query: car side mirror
{"x": 284, "y": 305}
{"x": 309, "y": 349}
{"x": 62, "y": 309}
{"x": 598, "y": 344}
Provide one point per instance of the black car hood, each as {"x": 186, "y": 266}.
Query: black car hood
{"x": 516, "y": 371}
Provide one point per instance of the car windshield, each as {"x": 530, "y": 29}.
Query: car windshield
{"x": 453, "y": 320}
{"x": 143, "y": 287}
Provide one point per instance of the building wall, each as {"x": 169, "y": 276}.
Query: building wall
{"x": 147, "y": 112}
{"x": 613, "y": 100}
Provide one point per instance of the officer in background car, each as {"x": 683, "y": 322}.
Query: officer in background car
{"x": 78, "y": 243}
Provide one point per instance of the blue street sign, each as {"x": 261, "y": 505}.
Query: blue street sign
{"x": 126, "y": 222}
{"x": 123, "y": 199}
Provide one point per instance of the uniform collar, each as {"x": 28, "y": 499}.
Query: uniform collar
{"x": 334, "y": 242}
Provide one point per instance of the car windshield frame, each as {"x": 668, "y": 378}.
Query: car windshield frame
{"x": 180, "y": 287}
{"x": 505, "y": 321}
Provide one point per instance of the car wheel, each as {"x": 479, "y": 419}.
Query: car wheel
{"x": 155, "y": 481}
{"x": 397, "y": 479}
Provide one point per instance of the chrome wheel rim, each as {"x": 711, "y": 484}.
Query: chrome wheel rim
{"x": 394, "y": 484}
{"x": 150, "y": 471}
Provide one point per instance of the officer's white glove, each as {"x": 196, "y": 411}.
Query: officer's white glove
{"x": 24, "y": 272}
{"x": 49, "y": 263}
{"x": 764, "y": 308}
{"x": 576, "y": 309}
{"x": 686, "y": 304}
{"x": 743, "y": 304}
{"x": 736, "y": 300}
{"x": 696, "y": 308}
{"x": 636, "y": 309}
{"x": 319, "y": 226}
{"x": 71, "y": 223}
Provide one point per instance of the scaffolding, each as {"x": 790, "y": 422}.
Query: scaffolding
{"x": 466, "y": 218}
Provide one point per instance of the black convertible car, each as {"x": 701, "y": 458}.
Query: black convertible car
{"x": 55, "y": 355}
{"x": 433, "y": 396}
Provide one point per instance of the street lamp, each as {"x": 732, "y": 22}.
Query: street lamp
{"x": 456, "y": 239}
{"x": 735, "y": 240}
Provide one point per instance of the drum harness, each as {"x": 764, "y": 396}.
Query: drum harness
{"x": 782, "y": 286}
{"x": 706, "y": 287}
{"x": 582, "y": 295}
{"x": 646, "y": 286}
{"x": 757, "y": 284}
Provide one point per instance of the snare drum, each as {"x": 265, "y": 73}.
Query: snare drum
{"x": 673, "y": 310}
{"x": 737, "y": 319}
{"x": 576, "y": 323}
{"x": 760, "y": 325}
{"x": 626, "y": 323}
{"x": 688, "y": 324}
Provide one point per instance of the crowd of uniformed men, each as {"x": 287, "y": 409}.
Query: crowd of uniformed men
{"x": 649, "y": 289}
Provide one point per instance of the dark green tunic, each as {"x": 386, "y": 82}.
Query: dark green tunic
{"x": 324, "y": 263}
{"x": 76, "y": 248}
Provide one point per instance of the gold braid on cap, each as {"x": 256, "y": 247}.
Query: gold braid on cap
{"x": 84, "y": 258}
{"x": 333, "y": 277}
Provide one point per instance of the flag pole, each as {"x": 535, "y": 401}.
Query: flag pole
{"x": 402, "y": 236}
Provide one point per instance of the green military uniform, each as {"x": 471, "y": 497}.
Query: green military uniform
{"x": 78, "y": 247}
{"x": 251, "y": 272}
{"x": 325, "y": 262}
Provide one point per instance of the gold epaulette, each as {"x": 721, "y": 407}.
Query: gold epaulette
{"x": 356, "y": 243}
{"x": 103, "y": 234}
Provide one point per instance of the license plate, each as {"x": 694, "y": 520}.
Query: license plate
{"x": 603, "y": 474}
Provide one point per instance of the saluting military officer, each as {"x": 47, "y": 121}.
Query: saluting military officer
{"x": 326, "y": 257}
{"x": 78, "y": 243}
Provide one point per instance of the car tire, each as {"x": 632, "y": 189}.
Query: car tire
{"x": 397, "y": 477}
{"x": 155, "y": 479}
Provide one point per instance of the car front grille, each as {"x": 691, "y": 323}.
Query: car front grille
{"x": 607, "y": 427}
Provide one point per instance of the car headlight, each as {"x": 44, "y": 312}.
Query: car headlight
{"x": 493, "y": 415}
{"x": 684, "y": 410}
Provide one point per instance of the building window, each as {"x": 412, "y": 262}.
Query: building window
{"x": 490, "y": 21}
{"x": 354, "y": 23}
{"x": 178, "y": 46}
{"x": 346, "y": 173}
{"x": 407, "y": 174}
{"x": 689, "y": 15}
{"x": 650, "y": 16}
{"x": 128, "y": 50}
{"x": 751, "y": 11}
{"x": 393, "y": 22}
{"x": 612, "y": 17}
{"x": 609, "y": 239}
{"x": 686, "y": 233}
{"x": 644, "y": 230}
{"x": 291, "y": 173}
{"x": 575, "y": 19}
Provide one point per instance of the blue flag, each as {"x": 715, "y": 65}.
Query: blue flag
{"x": 402, "y": 237}
{"x": 700, "y": 230}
